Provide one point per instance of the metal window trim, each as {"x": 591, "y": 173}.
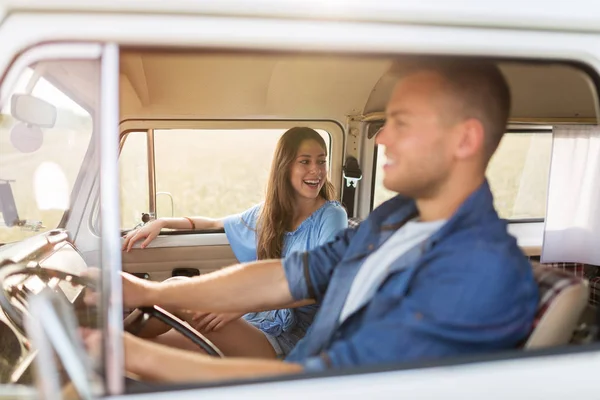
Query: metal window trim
{"x": 110, "y": 244}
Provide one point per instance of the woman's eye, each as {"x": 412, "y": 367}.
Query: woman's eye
{"x": 303, "y": 161}
{"x": 321, "y": 162}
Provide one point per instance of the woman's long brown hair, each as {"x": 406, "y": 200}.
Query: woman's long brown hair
{"x": 277, "y": 213}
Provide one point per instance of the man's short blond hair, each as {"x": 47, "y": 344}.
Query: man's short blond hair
{"x": 478, "y": 85}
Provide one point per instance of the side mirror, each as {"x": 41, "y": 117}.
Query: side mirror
{"x": 33, "y": 111}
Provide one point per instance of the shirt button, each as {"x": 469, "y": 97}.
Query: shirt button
{"x": 370, "y": 247}
{"x": 418, "y": 315}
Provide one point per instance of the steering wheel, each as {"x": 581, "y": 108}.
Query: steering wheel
{"x": 14, "y": 292}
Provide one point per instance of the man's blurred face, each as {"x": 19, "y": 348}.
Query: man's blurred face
{"x": 416, "y": 136}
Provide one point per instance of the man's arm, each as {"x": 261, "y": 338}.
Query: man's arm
{"x": 262, "y": 285}
{"x": 466, "y": 305}
{"x": 247, "y": 287}
{"x": 156, "y": 362}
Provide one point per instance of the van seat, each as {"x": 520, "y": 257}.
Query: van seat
{"x": 563, "y": 298}
{"x": 580, "y": 270}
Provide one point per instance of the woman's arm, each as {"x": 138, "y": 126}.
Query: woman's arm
{"x": 151, "y": 230}
{"x": 200, "y": 223}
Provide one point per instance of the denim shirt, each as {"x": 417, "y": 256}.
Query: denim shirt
{"x": 467, "y": 289}
{"x": 319, "y": 228}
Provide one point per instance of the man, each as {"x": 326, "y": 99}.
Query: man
{"x": 431, "y": 272}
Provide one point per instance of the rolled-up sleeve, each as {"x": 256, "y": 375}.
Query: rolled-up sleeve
{"x": 308, "y": 273}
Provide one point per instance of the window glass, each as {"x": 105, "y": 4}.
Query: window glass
{"x": 133, "y": 168}
{"x": 518, "y": 175}
{"x": 380, "y": 193}
{"x": 212, "y": 173}
{"x": 44, "y": 136}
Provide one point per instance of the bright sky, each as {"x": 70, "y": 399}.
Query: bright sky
{"x": 45, "y": 91}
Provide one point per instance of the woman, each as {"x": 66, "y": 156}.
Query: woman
{"x": 298, "y": 214}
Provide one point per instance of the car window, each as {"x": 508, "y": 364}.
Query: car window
{"x": 212, "y": 173}
{"x": 133, "y": 168}
{"x": 518, "y": 175}
{"x": 44, "y": 136}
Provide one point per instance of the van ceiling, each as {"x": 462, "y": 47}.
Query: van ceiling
{"x": 240, "y": 86}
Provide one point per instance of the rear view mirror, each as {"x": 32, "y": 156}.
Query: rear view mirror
{"x": 33, "y": 111}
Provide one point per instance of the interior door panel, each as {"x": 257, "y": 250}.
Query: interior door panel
{"x": 204, "y": 252}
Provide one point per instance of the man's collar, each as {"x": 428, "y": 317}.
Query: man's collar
{"x": 477, "y": 207}
{"x": 395, "y": 212}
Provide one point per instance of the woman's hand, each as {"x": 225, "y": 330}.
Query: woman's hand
{"x": 147, "y": 232}
{"x": 212, "y": 322}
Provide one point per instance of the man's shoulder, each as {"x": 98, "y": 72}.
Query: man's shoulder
{"x": 488, "y": 259}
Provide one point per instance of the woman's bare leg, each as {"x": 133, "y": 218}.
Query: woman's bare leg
{"x": 236, "y": 339}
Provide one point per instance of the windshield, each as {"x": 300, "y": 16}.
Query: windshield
{"x": 44, "y": 136}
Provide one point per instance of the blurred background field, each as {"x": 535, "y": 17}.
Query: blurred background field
{"x": 218, "y": 173}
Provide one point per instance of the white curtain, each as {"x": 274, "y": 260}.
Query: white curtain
{"x": 572, "y": 225}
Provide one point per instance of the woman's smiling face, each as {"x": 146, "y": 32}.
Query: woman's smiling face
{"x": 308, "y": 172}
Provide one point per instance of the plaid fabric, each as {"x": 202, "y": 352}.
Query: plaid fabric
{"x": 594, "y": 291}
{"x": 551, "y": 282}
{"x": 583, "y": 271}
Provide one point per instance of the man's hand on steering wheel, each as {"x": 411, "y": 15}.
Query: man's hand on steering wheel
{"x": 137, "y": 292}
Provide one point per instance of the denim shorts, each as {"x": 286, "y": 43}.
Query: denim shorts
{"x": 283, "y": 328}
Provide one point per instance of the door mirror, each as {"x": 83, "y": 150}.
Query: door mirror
{"x": 33, "y": 111}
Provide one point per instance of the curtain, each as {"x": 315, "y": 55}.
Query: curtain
{"x": 572, "y": 224}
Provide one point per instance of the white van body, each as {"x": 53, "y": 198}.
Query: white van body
{"x": 535, "y": 30}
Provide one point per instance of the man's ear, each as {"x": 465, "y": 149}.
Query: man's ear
{"x": 471, "y": 138}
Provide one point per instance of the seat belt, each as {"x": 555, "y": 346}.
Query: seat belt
{"x": 352, "y": 174}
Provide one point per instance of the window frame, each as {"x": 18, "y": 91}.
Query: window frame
{"x": 512, "y": 129}
{"x": 333, "y": 128}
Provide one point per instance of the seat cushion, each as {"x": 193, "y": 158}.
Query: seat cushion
{"x": 563, "y": 297}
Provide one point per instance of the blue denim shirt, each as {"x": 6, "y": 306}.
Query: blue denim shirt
{"x": 466, "y": 289}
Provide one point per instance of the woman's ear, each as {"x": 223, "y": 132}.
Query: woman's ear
{"x": 471, "y": 138}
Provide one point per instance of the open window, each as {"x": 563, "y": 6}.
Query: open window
{"x": 175, "y": 172}
{"x": 40, "y": 125}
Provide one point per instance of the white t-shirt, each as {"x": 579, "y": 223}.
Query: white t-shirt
{"x": 375, "y": 268}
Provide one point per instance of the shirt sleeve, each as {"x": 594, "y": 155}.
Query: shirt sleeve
{"x": 308, "y": 273}
{"x": 465, "y": 315}
{"x": 333, "y": 221}
{"x": 240, "y": 230}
